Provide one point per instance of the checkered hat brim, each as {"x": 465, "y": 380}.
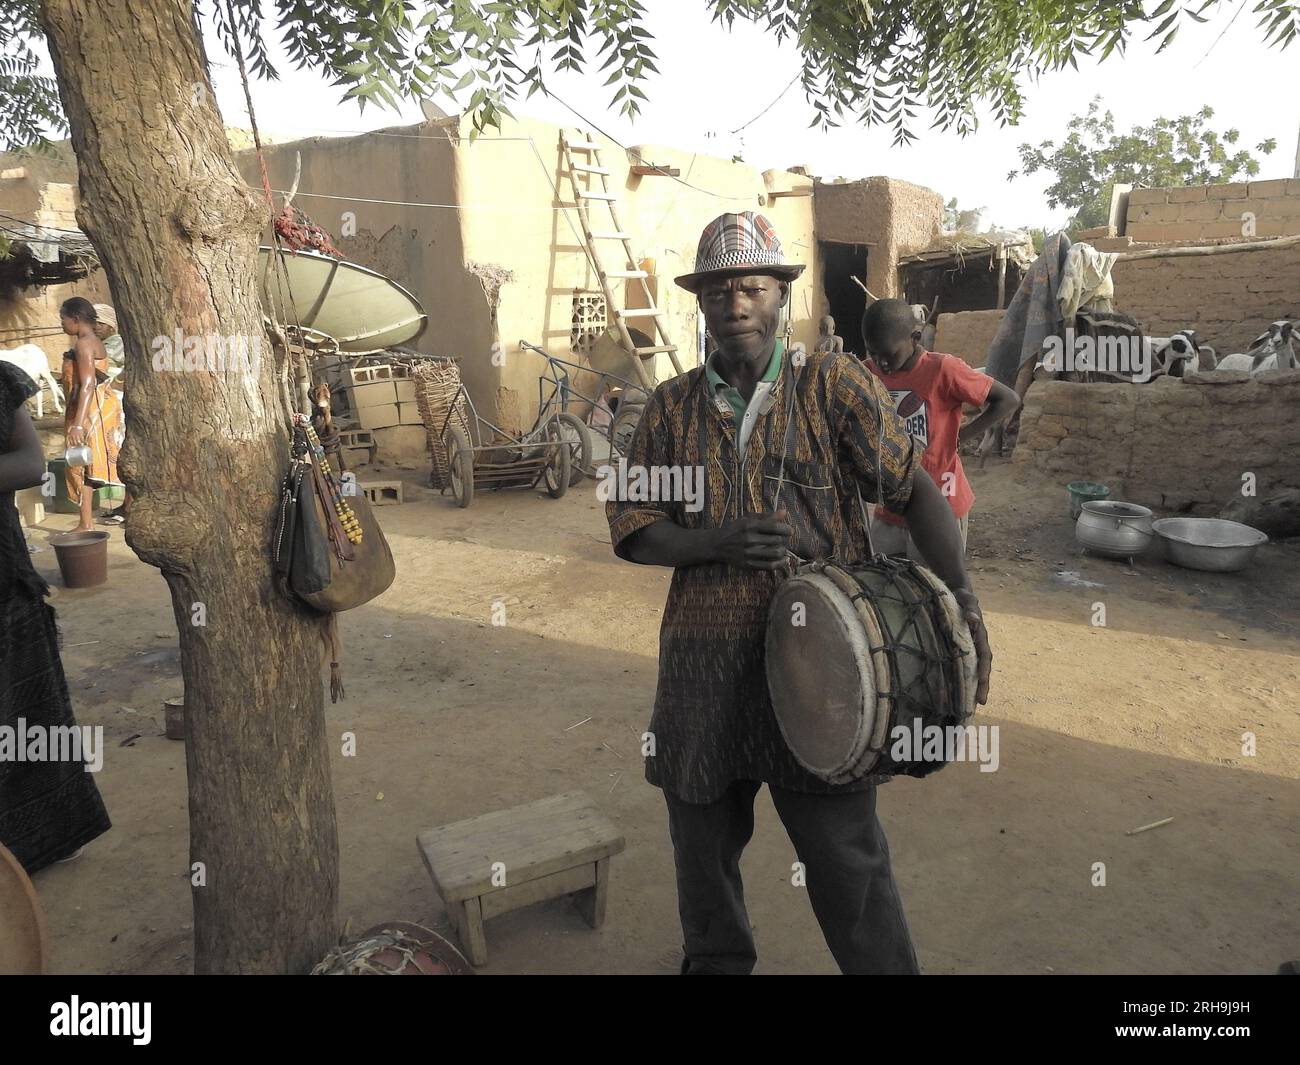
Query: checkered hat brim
{"x": 737, "y": 244}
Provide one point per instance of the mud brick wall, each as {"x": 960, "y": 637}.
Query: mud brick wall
{"x": 1229, "y": 297}
{"x": 1174, "y": 446}
{"x": 967, "y": 334}
{"x": 1203, "y": 212}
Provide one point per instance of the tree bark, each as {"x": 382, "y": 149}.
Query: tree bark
{"x": 205, "y": 451}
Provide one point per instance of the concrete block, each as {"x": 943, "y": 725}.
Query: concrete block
{"x": 1139, "y": 197}
{"x": 409, "y": 414}
{"x": 378, "y": 417}
{"x": 356, "y": 438}
{"x": 1232, "y": 191}
{"x": 381, "y": 493}
{"x": 1269, "y": 189}
{"x": 1205, "y": 211}
{"x": 31, "y": 506}
{"x": 1190, "y": 194}
{"x": 371, "y": 394}
{"x": 1165, "y": 232}
{"x": 364, "y": 374}
{"x": 405, "y": 388}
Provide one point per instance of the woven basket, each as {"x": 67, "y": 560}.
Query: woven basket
{"x": 437, "y": 388}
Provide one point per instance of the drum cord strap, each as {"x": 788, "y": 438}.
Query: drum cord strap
{"x": 796, "y": 363}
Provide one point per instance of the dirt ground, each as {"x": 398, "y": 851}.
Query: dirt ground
{"x": 1103, "y": 729}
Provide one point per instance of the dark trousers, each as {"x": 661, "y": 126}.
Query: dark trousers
{"x": 846, "y": 862}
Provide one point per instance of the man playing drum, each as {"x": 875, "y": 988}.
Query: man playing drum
{"x": 784, "y": 440}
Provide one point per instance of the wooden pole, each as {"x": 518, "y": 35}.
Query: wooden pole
{"x": 1002, "y": 276}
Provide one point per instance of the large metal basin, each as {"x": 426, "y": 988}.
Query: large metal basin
{"x": 1212, "y": 544}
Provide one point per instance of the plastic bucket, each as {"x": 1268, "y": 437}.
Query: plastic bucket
{"x": 1082, "y": 492}
{"x": 83, "y": 558}
{"x": 59, "y": 503}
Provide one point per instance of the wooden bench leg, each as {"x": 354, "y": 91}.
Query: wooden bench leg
{"x": 467, "y": 916}
{"x": 591, "y": 902}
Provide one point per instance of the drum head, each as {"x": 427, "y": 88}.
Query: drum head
{"x": 820, "y": 675}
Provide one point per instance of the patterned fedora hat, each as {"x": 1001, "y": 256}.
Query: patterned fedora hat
{"x": 739, "y": 244}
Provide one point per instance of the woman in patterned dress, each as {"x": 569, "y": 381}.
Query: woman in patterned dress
{"x": 94, "y": 412}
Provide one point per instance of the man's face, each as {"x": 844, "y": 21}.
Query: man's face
{"x": 742, "y": 313}
{"x": 891, "y": 353}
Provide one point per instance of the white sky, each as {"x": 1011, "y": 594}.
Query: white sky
{"x": 712, "y": 81}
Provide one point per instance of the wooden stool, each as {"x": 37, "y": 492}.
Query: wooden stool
{"x": 498, "y": 862}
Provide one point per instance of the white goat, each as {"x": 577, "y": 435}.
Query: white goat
{"x": 1271, "y": 350}
{"x": 32, "y": 361}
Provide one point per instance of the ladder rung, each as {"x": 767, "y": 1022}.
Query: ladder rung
{"x": 609, "y": 236}
{"x": 626, "y": 273}
{"x": 662, "y": 350}
{"x": 583, "y": 194}
{"x": 583, "y": 168}
{"x": 638, "y": 312}
{"x": 583, "y": 146}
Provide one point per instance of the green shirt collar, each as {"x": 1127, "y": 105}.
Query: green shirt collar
{"x": 731, "y": 394}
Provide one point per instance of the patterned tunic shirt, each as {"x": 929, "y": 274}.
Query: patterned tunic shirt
{"x": 713, "y": 721}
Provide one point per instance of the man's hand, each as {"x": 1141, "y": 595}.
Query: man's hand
{"x": 76, "y": 436}
{"x": 970, "y": 610}
{"x": 756, "y": 541}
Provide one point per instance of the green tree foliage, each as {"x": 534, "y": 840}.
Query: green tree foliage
{"x": 874, "y": 62}
{"x": 1168, "y": 152}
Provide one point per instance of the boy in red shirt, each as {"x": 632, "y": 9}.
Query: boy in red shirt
{"x": 929, "y": 391}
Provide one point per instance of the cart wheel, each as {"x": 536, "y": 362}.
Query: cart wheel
{"x": 624, "y": 427}
{"x": 460, "y": 463}
{"x": 575, "y": 431}
{"x": 559, "y": 466}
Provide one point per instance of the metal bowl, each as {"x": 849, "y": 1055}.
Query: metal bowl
{"x": 1212, "y": 544}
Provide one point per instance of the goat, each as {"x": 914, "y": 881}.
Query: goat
{"x": 1183, "y": 354}
{"x": 32, "y": 361}
{"x": 1271, "y": 350}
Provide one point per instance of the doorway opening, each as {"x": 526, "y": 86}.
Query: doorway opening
{"x": 841, "y": 263}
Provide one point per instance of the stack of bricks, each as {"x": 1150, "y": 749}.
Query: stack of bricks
{"x": 1170, "y": 445}
{"x": 382, "y": 396}
{"x": 1255, "y": 209}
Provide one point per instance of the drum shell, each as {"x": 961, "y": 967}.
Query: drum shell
{"x": 915, "y": 656}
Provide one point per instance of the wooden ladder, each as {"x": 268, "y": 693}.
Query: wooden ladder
{"x": 584, "y": 194}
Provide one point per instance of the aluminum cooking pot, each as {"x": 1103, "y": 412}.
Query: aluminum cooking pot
{"x": 1114, "y": 529}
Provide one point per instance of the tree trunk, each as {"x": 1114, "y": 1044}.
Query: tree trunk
{"x": 177, "y": 232}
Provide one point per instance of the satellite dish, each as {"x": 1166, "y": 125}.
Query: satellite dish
{"x": 432, "y": 112}
{"x": 361, "y": 309}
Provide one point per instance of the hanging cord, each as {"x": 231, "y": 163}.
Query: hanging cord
{"x": 798, "y": 356}
{"x": 862, "y": 507}
{"x": 282, "y": 273}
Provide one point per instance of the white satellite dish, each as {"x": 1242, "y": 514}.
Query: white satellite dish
{"x": 361, "y": 309}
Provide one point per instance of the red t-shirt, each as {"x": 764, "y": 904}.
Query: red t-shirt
{"x": 929, "y": 398}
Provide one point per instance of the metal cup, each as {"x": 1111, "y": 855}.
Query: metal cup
{"x": 79, "y": 456}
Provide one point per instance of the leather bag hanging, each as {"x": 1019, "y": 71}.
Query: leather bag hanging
{"x": 329, "y": 551}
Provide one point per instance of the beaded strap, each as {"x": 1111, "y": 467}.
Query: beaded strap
{"x": 347, "y": 516}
